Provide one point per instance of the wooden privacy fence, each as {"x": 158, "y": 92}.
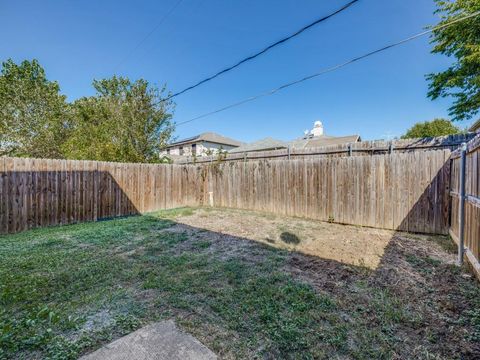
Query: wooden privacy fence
{"x": 405, "y": 191}
{"x": 465, "y": 220}
{"x": 39, "y": 192}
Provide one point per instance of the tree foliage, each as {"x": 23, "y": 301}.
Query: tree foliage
{"x": 436, "y": 127}
{"x": 125, "y": 121}
{"x": 461, "y": 41}
{"x": 33, "y": 114}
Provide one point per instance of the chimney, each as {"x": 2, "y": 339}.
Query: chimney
{"x": 317, "y": 129}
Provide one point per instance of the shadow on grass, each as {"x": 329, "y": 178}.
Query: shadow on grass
{"x": 289, "y": 238}
{"x": 67, "y": 290}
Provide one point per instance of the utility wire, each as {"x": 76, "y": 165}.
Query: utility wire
{"x": 331, "y": 69}
{"x": 145, "y": 38}
{"x": 249, "y": 58}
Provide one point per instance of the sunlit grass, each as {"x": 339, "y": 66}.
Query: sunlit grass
{"x": 67, "y": 290}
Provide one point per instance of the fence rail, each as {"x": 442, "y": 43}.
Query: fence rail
{"x": 376, "y": 147}
{"x": 465, "y": 215}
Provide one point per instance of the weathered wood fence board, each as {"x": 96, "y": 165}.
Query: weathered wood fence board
{"x": 404, "y": 191}
{"x": 472, "y": 201}
{"x": 407, "y": 191}
{"x": 41, "y": 192}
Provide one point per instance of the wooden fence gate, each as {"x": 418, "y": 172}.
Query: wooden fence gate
{"x": 465, "y": 193}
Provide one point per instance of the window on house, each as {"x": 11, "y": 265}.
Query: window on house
{"x": 168, "y": 151}
{"x": 181, "y": 150}
{"x": 194, "y": 149}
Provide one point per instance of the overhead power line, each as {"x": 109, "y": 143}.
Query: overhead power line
{"x": 145, "y": 38}
{"x": 269, "y": 47}
{"x": 331, "y": 69}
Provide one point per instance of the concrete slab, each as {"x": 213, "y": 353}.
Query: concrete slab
{"x": 159, "y": 341}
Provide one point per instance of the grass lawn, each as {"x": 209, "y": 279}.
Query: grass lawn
{"x": 65, "y": 291}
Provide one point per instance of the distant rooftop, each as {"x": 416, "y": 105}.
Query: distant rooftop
{"x": 475, "y": 127}
{"x": 323, "y": 140}
{"x": 261, "y": 145}
{"x": 312, "y": 139}
{"x": 207, "y": 137}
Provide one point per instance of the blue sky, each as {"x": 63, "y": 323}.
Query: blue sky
{"x": 77, "y": 41}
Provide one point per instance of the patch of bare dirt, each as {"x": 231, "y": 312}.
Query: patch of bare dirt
{"x": 347, "y": 244}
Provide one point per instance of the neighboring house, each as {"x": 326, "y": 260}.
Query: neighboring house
{"x": 208, "y": 143}
{"x": 475, "y": 127}
{"x": 261, "y": 145}
{"x": 311, "y": 139}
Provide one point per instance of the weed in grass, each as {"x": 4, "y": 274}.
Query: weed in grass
{"x": 173, "y": 213}
{"x": 202, "y": 244}
{"x": 446, "y": 242}
{"x": 388, "y": 308}
{"x": 425, "y": 265}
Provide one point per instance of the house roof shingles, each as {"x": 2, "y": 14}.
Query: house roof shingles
{"x": 475, "y": 127}
{"x": 260, "y": 145}
{"x": 267, "y": 143}
{"x": 324, "y": 140}
{"x": 207, "y": 137}
{"x": 300, "y": 143}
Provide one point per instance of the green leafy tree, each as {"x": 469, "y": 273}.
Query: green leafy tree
{"x": 125, "y": 121}
{"x": 33, "y": 114}
{"x": 461, "y": 41}
{"x": 437, "y": 127}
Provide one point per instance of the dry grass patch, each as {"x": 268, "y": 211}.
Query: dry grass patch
{"x": 347, "y": 244}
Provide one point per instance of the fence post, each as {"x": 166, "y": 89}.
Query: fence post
{"x": 288, "y": 152}
{"x": 96, "y": 183}
{"x": 461, "y": 205}
{"x": 350, "y": 149}
{"x": 390, "y": 147}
